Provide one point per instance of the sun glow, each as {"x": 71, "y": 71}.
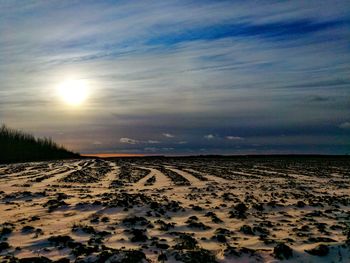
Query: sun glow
{"x": 73, "y": 92}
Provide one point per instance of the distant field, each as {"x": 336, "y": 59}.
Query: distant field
{"x": 236, "y": 209}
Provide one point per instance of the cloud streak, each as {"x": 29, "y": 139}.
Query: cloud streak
{"x": 345, "y": 125}
{"x": 188, "y": 67}
{"x": 168, "y": 135}
{"x": 209, "y": 136}
{"x": 128, "y": 141}
{"x": 234, "y": 138}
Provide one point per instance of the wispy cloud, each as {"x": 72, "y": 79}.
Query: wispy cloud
{"x": 345, "y": 125}
{"x": 153, "y": 142}
{"x": 168, "y": 135}
{"x": 234, "y": 138}
{"x": 156, "y": 149}
{"x": 209, "y": 136}
{"x": 134, "y": 141}
{"x": 128, "y": 141}
{"x": 188, "y": 67}
{"x": 280, "y": 30}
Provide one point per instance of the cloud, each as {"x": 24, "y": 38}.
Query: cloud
{"x": 281, "y": 30}
{"x": 155, "y": 149}
{"x": 128, "y": 141}
{"x": 134, "y": 141}
{"x": 317, "y": 98}
{"x": 167, "y": 149}
{"x": 209, "y": 136}
{"x": 177, "y": 66}
{"x": 153, "y": 142}
{"x": 234, "y": 138}
{"x": 345, "y": 125}
{"x": 151, "y": 149}
{"x": 168, "y": 135}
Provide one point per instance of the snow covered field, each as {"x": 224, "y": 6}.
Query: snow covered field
{"x": 176, "y": 209}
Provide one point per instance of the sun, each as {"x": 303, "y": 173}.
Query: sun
{"x": 73, "y": 92}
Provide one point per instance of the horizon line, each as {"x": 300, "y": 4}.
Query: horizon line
{"x": 116, "y": 155}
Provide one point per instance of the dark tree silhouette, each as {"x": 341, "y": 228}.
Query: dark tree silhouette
{"x": 18, "y": 146}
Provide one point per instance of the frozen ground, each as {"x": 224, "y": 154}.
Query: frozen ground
{"x": 176, "y": 209}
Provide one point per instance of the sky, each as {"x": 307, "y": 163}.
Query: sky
{"x": 180, "y": 77}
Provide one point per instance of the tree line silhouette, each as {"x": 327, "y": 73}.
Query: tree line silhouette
{"x": 18, "y": 146}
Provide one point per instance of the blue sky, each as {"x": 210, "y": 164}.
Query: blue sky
{"x": 180, "y": 77}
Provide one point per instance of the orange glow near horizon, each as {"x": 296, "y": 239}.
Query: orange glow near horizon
{"x": 110, "y": 155}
